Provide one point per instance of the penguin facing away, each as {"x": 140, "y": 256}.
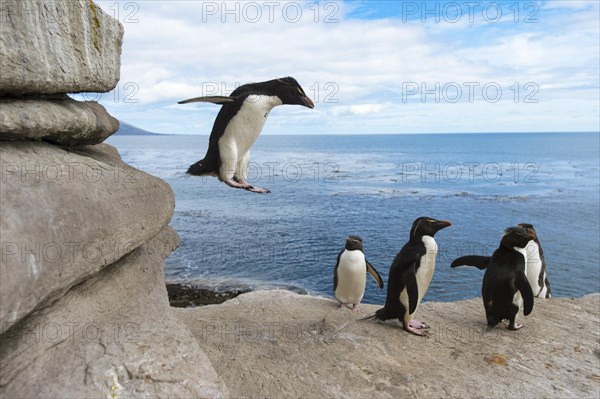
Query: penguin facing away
{"x": 505, "y": 286}
{"x": 237, "y": 126}
{"x": 410, "y": 275}
{"x": 350, "y": 273}
{"x": 536, "y": 264}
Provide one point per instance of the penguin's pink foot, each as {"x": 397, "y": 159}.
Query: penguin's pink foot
{"x": 258, "y": 190}
{"x": 418, "y": 325}
{"x": 356, "y": 309}
{"x": 244, "y": 185}
{"x": 235, "y": 184}
{"x": 416, "y": 331}
{"x": 251, "y": 188}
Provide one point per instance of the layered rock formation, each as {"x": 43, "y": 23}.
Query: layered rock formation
{"x": 306, "y": 347}
{"x": 83, "y": 304}
{"x": 52, "y": 47}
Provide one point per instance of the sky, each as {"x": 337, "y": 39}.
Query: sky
{"x": 371, "y": 67}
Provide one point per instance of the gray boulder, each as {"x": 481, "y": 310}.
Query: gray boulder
{"x": 59, "y": 120}
{"x": 49, "y": 46}
{"x": 67, "y": 215}
{"x": 307, "y": 347}
{"x": 112, "y": 336}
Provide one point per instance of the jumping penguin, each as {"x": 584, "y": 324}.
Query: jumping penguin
{"x": 238, "y": 125}
{"x": 536, "y": 264}
{"x": 505, "y": 287}
{"x": 350, "y": 273}
{"x": 410, "y": 275}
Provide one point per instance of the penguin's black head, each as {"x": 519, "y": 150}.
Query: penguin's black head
{"x": 426, "y": 226}
{"x": 290, "y": 92}
{"x": 530, "y": 229}
{"x": 516, "y": 237}
{"x": 354, "y": 243}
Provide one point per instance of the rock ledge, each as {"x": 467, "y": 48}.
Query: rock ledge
{"x": 304, "y": 346}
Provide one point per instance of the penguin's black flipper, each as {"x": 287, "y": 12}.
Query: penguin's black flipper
{"x": 412, "y": 289}
{"x": 209, "y": 99}
{"x": 335, "y": 276}
{"x": 371, "y": 270}
{"x": 523, "y": 286}
{"x": 549, "y": 291}
{"x": 480, "y": 262}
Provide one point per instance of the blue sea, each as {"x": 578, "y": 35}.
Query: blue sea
{"x": 325, "y": 188}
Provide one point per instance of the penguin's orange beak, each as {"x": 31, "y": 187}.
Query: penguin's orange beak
{"x": 307, "y": 102}
{"x": 443, "y": 224}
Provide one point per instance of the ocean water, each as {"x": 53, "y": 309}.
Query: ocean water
{"x": 325, "y": 188}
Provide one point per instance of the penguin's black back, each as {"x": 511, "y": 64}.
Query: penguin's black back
{"x": 212, "y": 160}
{"x": 499, "y": 277}
{"x": 410, "y": 253}
{"x": 501, "y": 281}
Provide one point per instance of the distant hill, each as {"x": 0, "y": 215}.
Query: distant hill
{"x": 129, "y": 130}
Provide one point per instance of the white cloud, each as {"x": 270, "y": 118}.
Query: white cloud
{"x": 567, "y": 4}
{"x": 356, "y": 70}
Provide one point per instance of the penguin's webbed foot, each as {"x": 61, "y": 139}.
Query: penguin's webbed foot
{"x": 244, "y": 185}
{"x": 417, "y": 328}
{"x": 258, "y": 190}
{"x": 416, "y": 331}
{"x": 418, "y": 325}
{"x": 356, "y": 309}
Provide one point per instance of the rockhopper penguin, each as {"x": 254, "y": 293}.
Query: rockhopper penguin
{"x": 350, "y": 273}
{"x": 505, "y": 286}
{"x": 238, "y": 125}
{"x": 410, "y": 275}
{"x": 536, "y": 264}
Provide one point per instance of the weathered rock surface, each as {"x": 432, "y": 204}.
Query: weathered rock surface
{"x": 84, "y": 310}
{"x": 60, "y": 120}
{"x": 65, "y": 216}
{"x": 58, "y": 47}
{"x": 111, "y": 336}
{"x": 280, "y": 344}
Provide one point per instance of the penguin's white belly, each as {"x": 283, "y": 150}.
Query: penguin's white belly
{"x": 544, "y": 291}
{"x": 534, "y": 267}
{"x": 424, "y": 274}
{"x": 245, "y": 127}
{"x": 518, "y": 301}
{"x": 351, "y": 277}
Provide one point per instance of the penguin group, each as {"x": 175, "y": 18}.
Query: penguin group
{"x": 514, "y": 274}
